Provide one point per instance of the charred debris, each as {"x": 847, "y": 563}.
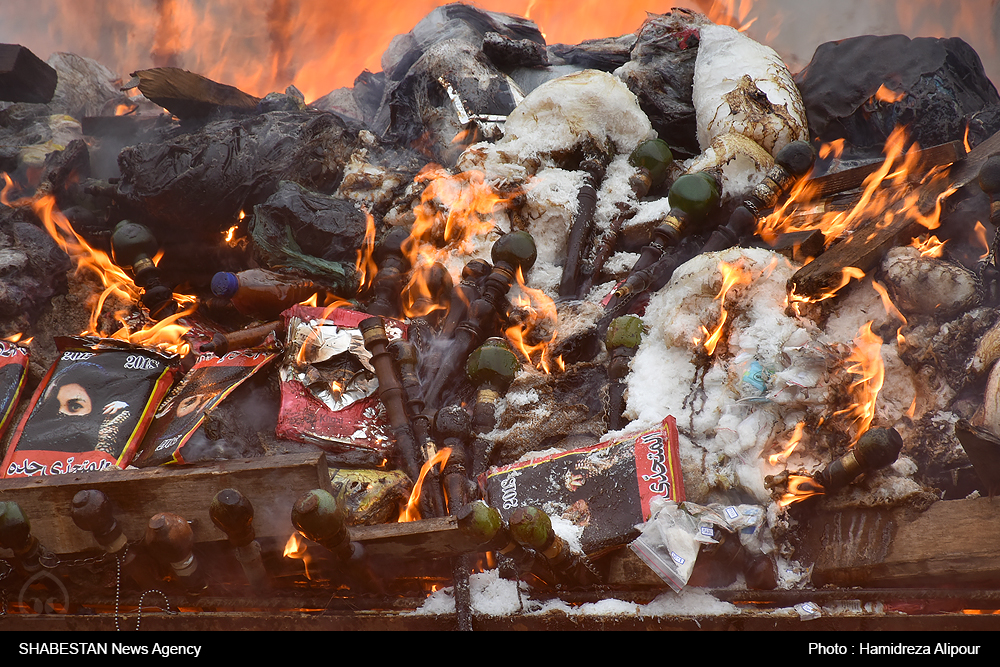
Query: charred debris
{"x": 501, "y": 310}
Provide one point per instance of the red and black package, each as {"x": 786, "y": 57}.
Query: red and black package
{"x": 91, "y": 409}
{"x": 210, "y": 381}
{"x": 605, "y": 488}
{"x": 13, "y": 362}
{"x": 329, "y": 392}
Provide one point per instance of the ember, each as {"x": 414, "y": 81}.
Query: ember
{"x": 472, "y": 325}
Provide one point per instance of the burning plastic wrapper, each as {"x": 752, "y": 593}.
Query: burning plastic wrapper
{"x": 210, "y": 381}
{"x": 91, "y": 410}
{"x": 607, "y": 488}
{"x": 13, "y": 362}
{"x": 328, "y": 386}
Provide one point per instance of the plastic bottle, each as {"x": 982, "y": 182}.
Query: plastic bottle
{"x": 261, "y": 293}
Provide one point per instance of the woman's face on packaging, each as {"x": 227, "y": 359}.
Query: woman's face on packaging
{"x": 189, "y": 404}
{"x": 74, "y": 401}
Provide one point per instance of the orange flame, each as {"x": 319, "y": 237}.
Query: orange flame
{"x": 115, "y": 281}
{"x": 883, "y": 94}
{"x": 868, "y": 366}
{"x": 412, "y": 510}
{"x": 891, "y": 310}
{"x": 981, "y": 237}
{"x": 455, "y": 212}
{"x": 888, "y": 194}
{"x": 365, "y": 265}
{"x": 262, "y": 47}
{"x": 834, "y": 148}
{"x": 296, "y": 548}
{"x": 929, "y": 246}
{"x": 541, "y": 319}
{"x": 795, "y": 300}
{"x": 775, "y": 459}
{"x": 800, "y": 487}
{"x": 732, "y": 274}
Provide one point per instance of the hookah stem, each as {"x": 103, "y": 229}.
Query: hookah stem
{"x": 391, "y": 394}
{"x": 405, "y": 360}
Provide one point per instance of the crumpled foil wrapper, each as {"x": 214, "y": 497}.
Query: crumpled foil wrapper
{"x": 331, "y": 361}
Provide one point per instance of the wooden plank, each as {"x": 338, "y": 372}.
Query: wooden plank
{"x": 189, "y": 95}
{"x": 953, "y": 543}
{"x": 869, "y": 243}
{"x": 822, "y": 187}
{"x": 272, "y": 485}
{"x": 427, "y": 538}
{"x": 24, "y": 77}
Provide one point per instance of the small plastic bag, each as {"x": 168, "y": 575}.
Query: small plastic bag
{"x": 668, "y": 544}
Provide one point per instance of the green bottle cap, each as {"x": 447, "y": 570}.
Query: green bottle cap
{"x": 653, "y": 155}
{"x": 517, "y": 249}
{"x": 695, "y": 194}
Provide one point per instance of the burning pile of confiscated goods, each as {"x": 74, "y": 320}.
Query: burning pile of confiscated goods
{"x": 498, "y": 312}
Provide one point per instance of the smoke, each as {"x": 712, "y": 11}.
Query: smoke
{"x": 265, "y": 45}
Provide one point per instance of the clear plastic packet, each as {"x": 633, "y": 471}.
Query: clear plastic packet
{"x": 747, "y": 521}
{"x": 669, "y": 544}
{"x": 91, "y": 410}
{"x": 208, "y": 382}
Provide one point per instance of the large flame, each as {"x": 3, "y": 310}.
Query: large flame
{"x": 732, "y": 275}
{"x": 265, "y": 45}
{"x": 888, "y": 194}
{"x": 866, "y": 363}
{"x": 166, "y": 334}
{"x": 412, "y": 510}
{"x": 456, "y": 212}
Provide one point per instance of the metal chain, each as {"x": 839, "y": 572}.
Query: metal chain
{"x": 51, "y": 561}
{"x": 118, "y": 585}
{"x": 119, "y": 559}
{"x": 991, "y": 256}
{"x": 590, "y": 567}
{"x": 163, "y": 595}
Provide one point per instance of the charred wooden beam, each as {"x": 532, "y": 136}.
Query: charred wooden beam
{"x": 137, "y": 495}
{"x": 824, "y": 186}
{"x": 954, "y": 543}
{"x": 869, "y": 243}
{"x": 24, "y": 77}
{"x": 189, "y": 95}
